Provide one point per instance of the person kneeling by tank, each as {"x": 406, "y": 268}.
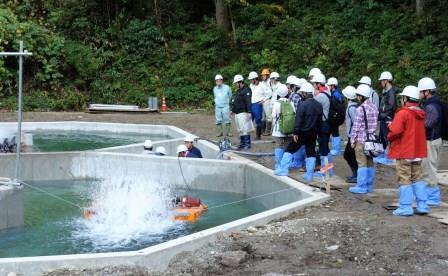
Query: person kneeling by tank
{"x": 192, "y": 151}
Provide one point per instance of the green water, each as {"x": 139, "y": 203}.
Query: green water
{"x": 82, "y": 140}
{"x": 50, "y": 224}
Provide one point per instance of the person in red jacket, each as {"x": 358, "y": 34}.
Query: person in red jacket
{"x": 408, "y": 146}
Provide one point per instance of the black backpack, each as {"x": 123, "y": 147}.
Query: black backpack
{"x": 336, "y": 114}
{"x": 444, "y": 127}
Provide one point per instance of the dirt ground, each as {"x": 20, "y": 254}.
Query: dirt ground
{"x": 347, "y": 235}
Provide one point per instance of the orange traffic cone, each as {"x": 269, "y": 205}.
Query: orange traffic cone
{"x": 163, "y": 104}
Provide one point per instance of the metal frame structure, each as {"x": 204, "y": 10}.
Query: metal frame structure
{"x": 21, "y": 54}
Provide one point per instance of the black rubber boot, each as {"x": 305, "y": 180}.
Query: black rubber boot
{"x": 258, "y": 133}
{"x": 268, "y": 130}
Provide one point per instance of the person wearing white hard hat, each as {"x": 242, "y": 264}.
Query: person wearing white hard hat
{"x": 388, "y": 105}
{"x": 365, "y": 122}
{"x": 282, "y": 111}
{"x": 193, "y": 151}
{"x": 266, "y": 120}
{"x": 336, "y": 96}
{"x": 242, "y": 109}
{"x": 275, "y": 85}
{"x": 258, "y": 98}
{"x": 374, "y": 98}
{"x": 308, "y": 121}
{"x": 182, "y": 151}
{"x": 350, "y": 114}
{"x": 407, "y": 145}
{"x": 313, "y": 72}
{"x": 222, "y": 96}
{"x": 147, "y": 147}
{"x": 434, "y": 128}
{"x": 161, "y": 151}
{"x": 298, "y": 158}
{"x": 323, "y": 95}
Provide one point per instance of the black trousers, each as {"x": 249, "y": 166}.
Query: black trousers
{"x": 334, "y": 131}
{"x": 350, "y": 157}
{"x": 308, "y": 140}
{"x": 384, "y": 130}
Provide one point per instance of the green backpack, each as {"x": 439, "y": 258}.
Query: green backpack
{"x": 287, "y": 118}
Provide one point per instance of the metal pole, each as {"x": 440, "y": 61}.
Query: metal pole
{"x": 19, "y": 113}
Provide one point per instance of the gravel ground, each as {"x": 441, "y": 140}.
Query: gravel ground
{"x": 347, "y": 235}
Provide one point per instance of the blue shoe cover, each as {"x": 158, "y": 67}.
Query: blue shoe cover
{"x": 310, "y": 164}
{"x": 421, "y": 196}
{"x": 361, "y": 182}
{"x": 282, "y": 169}
{"x": 433, "y": 195}
{"x": 406, "y": 198}
{"x": 371, "y": 179}
{"x": 335, "y": 146}
{"x": 278, "y": 157}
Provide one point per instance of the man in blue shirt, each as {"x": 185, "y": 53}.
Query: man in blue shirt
{"x": 222, "y": 97}
{"x": 193, "y": 152}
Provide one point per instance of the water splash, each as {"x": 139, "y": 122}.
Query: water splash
{"x": 128, "y": 212}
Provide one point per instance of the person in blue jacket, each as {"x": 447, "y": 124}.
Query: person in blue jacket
{"x": 193, "y": 152}
{"x": 332, "y": 84}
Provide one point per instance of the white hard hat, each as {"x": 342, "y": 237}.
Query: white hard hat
{"x": 332, "y": 81}
{"x": 219, "y": 77}
{"x": 189, "y": 138}
{"x": 307, "y": 88}
{"x": 314, "y": 71}
{"x": 181, "y": 148}
{"x": 364, "y": 90}
{"x": 161, "y": 150}
{"x": 252, "y": 75}
{"x": 319, "y": 78}
{"x": 386, "y": 75}
{"x": 282, "y": 90}
{"x": 147, "y": 144}
{"x": 237, "y": 78}
{"x": 426, "y": 84}
{"x": 290, "y": 79}
{"x": 349, "y": 92}
{"x": 275, "y": 75}
{"x": 411, "y": 91}
{"x": 297, "y": 82}
{"x": 365, "y": 80}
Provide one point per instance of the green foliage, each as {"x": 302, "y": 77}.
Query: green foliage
{"x": 126, "y": 50}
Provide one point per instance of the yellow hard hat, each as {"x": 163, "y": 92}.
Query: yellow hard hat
{"x": 265, "y": 71}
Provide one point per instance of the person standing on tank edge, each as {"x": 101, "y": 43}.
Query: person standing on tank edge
{"x": 350, "y": 115}
{"x": 318, "y": 82}
{"x": 433, "y": 125}
{"x": 407, "y": 145}
{"x": 222, "y": 97}
{"x": 388, "y": 104}
{"x": 241, "y": 108}
{"x": 332, "y": 83}
{"x": 308, "y": 121}
{"x": 257, "y": 101}
{"x": 365, "y": 113}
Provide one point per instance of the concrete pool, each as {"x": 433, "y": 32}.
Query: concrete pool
{"x": 272, "y": 197}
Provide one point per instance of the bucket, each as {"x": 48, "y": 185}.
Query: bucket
{"x": 152, "y": 103}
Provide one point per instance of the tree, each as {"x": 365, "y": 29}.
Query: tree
{"x": 222, "y": 15}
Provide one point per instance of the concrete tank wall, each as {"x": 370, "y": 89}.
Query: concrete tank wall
{"x": 11, "y": 206}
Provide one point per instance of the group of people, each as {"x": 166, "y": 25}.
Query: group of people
{"x": 410, "y": 134}
{"x": 187, "y": 149}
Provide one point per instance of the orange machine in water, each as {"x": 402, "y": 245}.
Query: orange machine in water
{"x": 189, "y": 209}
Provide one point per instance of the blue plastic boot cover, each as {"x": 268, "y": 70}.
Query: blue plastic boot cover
{"x": 310, "y": 164}
{"x": 335, "y": 146}
{"x": 421, "y": 196}
{"x": 298, "y": 160}
{"x": 282, "y": 169}
{"x": 278, "y": 156}
{"x": 361, "y": 181}
{"x": 433, "y": 195}
{"x": 406, "y": 198}
{"x": 371, "y": 179}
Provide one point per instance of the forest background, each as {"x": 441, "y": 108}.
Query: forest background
{"x": 123, "y": 51}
